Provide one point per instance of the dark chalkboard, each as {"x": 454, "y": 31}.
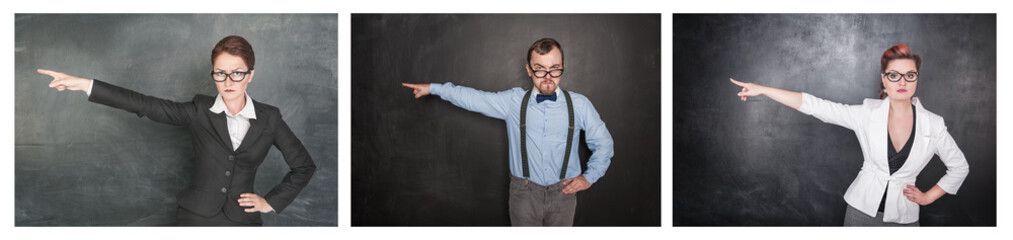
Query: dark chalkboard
{"x": 81, "y": 163}
{"x": 427, "y": 162}
{"x": 762, "y": 163}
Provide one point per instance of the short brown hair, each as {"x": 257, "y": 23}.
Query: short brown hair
{"x": 544, "y": 46}
{"x": 899, "y": 51}
{"x": 237, "y": 46}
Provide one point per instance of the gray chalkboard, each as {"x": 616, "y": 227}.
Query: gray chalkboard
{"x": 81, "y": 163}
{"x": 762, "y": 163}
{"x": 427, "y": 162}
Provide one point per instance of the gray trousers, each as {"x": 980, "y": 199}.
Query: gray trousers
{"x": 855, "y": 218}
{"x": 536, "y": 205}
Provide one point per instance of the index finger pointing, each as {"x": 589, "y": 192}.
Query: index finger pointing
{"x": 47, "y": 72}
{"x": 737, "y": 82}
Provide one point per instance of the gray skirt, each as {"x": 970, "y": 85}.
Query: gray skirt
{"x": 855, "y": 218}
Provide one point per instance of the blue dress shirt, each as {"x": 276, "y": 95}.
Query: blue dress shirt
{"x": 547, "y": 125}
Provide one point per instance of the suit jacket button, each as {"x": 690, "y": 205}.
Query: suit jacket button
{"x": 224, "y": 190}
{"x": 232, "y": 157}
{"x": 228, "y": 173}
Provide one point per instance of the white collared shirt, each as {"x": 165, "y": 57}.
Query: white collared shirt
{"x": 238, "y": 124}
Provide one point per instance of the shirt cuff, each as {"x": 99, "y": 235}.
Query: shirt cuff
{"x": 435, "y": 88}
{"x": 91, "y": 82}
{"x": 591, "y": 177}
{"x": 805, "y": 107}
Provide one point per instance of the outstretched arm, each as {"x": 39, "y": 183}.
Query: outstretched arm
{"x": 157, "y": 109}
{"x": 788, "y": 98}
{"x": 848, "y": 116}
{"x": 491, "y": 104}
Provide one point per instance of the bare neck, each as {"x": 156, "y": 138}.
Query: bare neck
{"x": 235, "y": 105}
{"x": 900, "y": 107}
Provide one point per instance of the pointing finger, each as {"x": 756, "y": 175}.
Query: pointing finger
{"x": 737, "y": 82}
{"x": 48, "y": 72}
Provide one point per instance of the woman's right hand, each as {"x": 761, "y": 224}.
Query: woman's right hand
{"x": 748, "y": 89}
{"x": 62, "y": 81}
{"x": 788, "y": 98}
{"x": 420, "y": 89}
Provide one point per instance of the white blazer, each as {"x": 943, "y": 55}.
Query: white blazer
{"x": 869, "y": 123}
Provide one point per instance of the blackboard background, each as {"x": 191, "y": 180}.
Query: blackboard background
{"x": 427, "y": 162}
{"x": 80, "y": 163}
{"x": 762, "y": 163}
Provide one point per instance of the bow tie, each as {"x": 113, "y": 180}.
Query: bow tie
{"x": 539, "y": 98}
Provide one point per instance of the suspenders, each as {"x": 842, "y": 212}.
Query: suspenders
{"x": 524, "y": 133}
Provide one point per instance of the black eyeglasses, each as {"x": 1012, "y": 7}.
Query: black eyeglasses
{"x": 542, "y": 73}
{"x": 234, "y": 76}
{"x": 896, "y": 76}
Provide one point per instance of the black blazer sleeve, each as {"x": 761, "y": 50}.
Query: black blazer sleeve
{"x": 300, "y": 164}
{"x": 157, "y": 109}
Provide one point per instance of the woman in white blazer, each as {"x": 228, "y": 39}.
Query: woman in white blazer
{"x": 898, "y": 137}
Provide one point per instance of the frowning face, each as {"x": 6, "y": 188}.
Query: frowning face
{"x": 546, "y": 70}
{"x": 236, "y": 75}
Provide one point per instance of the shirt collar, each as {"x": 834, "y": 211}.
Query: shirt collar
{"x": 247, "y": 112}
{"x": 559, "y": 91}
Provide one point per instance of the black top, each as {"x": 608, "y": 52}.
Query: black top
{"x": 896, "y": 158}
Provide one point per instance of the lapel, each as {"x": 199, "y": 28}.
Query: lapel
{"x": 256, "y": 127}
{"x": 222, "y": 128}
{"x": 922, "y": 139}
{"x": 879, "y": 130}
{"x": 881, "y": 117}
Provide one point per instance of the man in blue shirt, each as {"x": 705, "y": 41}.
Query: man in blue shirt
{"x": 545, "y": 167}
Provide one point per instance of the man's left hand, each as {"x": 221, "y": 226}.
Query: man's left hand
{"x": 576, "y": 184}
